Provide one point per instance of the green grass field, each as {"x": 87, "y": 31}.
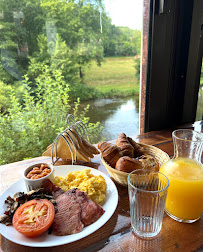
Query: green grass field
{"x": 116, "y": 74}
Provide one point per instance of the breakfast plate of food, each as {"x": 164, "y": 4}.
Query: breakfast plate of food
{"x": 83, "y": 198}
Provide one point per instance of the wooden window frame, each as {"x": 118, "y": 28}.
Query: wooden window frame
{"x": 171, "y": 63}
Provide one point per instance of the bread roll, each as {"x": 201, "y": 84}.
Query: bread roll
{"x": 128, "y": 164}
{"x": 149, "y": 162}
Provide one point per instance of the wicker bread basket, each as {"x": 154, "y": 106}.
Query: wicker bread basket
{"x": 121, "y": 177}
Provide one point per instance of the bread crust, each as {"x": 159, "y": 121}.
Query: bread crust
{"x": 149, "y": 162}
{"x": 123, "y": 143}
{"x": 128, "y": 164}
{"x": 110, "y": 152}
{"x": 127, "y": 155}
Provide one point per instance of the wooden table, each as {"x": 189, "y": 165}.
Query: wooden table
{"x": 116, "y": 234}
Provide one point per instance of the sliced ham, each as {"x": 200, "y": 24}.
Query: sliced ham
{"x": 67, "y": 219}
{"x": 91, "y": 211}
{"x": 75, "y": 211}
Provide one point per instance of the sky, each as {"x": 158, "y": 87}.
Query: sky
{"x": 125, "y": 12}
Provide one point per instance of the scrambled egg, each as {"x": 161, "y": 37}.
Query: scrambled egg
{"x": 94, "y": 186}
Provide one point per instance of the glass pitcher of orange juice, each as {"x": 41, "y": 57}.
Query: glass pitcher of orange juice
{"x": 184, "y": 201}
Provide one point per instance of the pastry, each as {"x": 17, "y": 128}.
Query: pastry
{"x": 138, "y": 149}
{"x": 125, "y": 146}
{"x": 128, "y": 164}
{"x": 110, "y": 152}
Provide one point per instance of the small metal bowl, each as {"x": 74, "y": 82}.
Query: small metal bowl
{"x": 32, "y": 184}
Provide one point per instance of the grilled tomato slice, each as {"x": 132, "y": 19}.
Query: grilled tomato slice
{"x": 34, "y": 217}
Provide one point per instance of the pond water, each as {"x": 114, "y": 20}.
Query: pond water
{"x": 116, "y": 115}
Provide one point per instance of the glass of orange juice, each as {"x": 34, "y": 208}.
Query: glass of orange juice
{"x": 184, "y": 201}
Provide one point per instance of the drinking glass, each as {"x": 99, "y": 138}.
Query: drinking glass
{"x": 147, "y": 195}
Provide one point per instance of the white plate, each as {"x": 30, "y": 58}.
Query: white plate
{"x": 46, "y": 240}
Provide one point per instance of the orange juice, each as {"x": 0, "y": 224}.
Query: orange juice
{"x": 185, "y": 194}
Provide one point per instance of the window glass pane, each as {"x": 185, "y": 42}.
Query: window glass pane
{"x": 199, "y": 113}
{"x": 118, "y": 76}
{"x": 52, "y": 53}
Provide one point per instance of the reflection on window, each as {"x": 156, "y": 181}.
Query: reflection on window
{"x": 199, "y": 112}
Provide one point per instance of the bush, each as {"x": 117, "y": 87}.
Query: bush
{"x": 28, "y": 128}
{"x": 137, "y": 68}
{"x": 4, "y": 96}
{"x": 83, "y": 91}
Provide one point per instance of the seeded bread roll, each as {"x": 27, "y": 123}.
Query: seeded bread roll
{"x": 128, "y": 164}
{"x": 149, "y": 162}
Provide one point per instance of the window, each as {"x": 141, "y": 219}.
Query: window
{"x": 199, "y": 114}
{"x": 53, "y": 52}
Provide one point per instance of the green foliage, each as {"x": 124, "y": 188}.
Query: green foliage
{"x": 5, "y": 90}
{"x": 121, "y": 41}
{"x": 94, "y": 129}
{"x": 201, "y": 75}
{"x": 199, "y": 113}
{"x": 4, "y": 96}
{"x": 137, "y": 68}
{"x": 57, "y": 55}
{"x": 52, "y": 43}
{"x": 136, "y": 40}
{"x": 9, "y": 70}
{"x": 80, "y": 33}
{"x": 84, "y": 92}
{"x": 65, "y": 35}
{"x": 28, "y": 128}
{"x": 85, "y": 53}
{"x": 129, "y": 42}
{"x": 20, "y": 24}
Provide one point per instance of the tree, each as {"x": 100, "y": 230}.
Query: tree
{"x": 9, "y": 69}
{"x": 137, "y": 68}
{"x": 78, "y": 24}
{"x": 55, "y": 54}
{"x": 136, "y": 40}
{"x": 61, "y": 34}
{"x": 110, "y": 40}
{"x": 4, "y": 99}
{"x": 21, "y": 22}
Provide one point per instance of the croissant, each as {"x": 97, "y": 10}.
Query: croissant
{"x": 128, "y": 164}
{"x": 138, "y": 149}
{"x": 110, "y": 152}
{"x": 125, "y": 146}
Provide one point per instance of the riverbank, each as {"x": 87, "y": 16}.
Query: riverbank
{"x": 115, "y": 115}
